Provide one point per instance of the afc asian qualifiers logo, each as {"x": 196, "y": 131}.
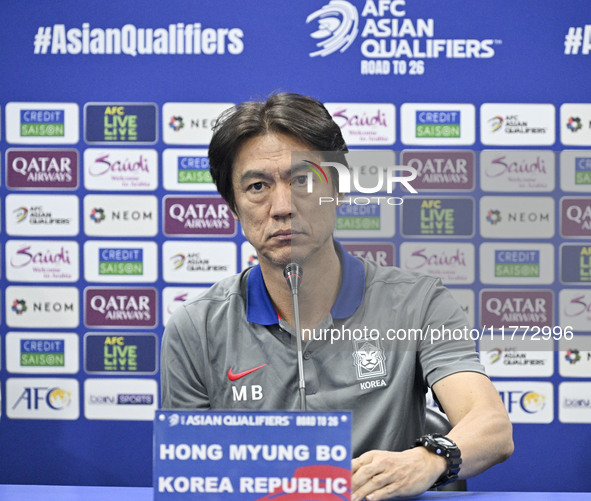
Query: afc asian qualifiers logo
{"x": 369, "y": 358}
{"x": 338, "y": 25}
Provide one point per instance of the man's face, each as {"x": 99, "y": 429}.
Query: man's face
{"x": 279, "y": 217}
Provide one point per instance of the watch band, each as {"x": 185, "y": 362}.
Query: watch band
{"x": 447, "y": 449}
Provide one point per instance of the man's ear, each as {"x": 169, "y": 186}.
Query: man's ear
{"x": 235, "y": 214}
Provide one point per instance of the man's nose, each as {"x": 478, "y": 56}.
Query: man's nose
{"x": 281, "y": 201}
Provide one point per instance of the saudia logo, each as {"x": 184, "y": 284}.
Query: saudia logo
{"x": 37, "y": 259}
{"x": 103, "y": 165}
{"x": 422, "y": 257}
{"x": 348, "y": 181}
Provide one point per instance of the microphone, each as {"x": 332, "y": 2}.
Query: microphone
{"x": 293, "y": 273}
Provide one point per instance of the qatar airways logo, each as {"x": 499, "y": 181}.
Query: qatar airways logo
{"x": 349, "y": 180}
{"x": 516, "y": 307}
{"x": 120, "y": 307}
{"x": 198, "y": 215}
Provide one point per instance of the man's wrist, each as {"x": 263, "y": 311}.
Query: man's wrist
{"x": 446, "y": 450}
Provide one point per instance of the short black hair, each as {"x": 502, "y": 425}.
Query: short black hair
{"x": 301, "y": 117}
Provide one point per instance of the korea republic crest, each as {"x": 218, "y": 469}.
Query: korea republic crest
{"x": 369, "y": 358}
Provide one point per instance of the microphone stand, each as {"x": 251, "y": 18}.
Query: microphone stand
{"x": 293, "y": 273}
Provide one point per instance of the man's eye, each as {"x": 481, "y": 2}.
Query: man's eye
{"x": 256, "y": 186}
{"x": 300, "y": 180}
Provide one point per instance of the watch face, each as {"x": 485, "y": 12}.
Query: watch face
{"x": 443, "y": 441}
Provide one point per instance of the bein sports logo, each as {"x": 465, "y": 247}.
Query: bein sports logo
{"x": 348, "y": 181}
{"x": 338, "y": 25}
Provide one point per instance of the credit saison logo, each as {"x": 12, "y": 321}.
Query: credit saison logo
{"x": 349, "y": 180}
{"x": 42, "y": 353}
{"x": 517, "y": 263}
{"x": 440, "y": 124}
{"x": 121, "y": 261}
{"x": 193, "y": 170}
{"x": 583, "y": 170}
{"x": 42, "y": 123}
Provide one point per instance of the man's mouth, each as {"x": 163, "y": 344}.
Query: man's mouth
{"x": 285, "y": 234}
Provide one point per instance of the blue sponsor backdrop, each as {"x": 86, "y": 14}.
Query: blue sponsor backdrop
{"x": 142, "y": 55}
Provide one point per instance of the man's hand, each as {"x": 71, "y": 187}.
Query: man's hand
{"x": 383, "y": 474}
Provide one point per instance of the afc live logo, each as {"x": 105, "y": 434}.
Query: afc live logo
{"x": 245, "y": 393}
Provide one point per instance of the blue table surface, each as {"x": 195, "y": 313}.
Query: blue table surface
{"x": 86, "y": 493}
